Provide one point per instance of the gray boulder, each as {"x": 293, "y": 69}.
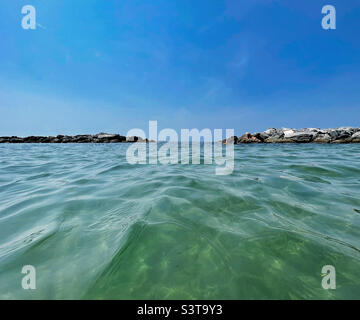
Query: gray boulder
{"x": 356, "y": 137}
{"x": 322, "y": 138}
{"x": 230, "y": 140}
{"x": 302, "y": 136}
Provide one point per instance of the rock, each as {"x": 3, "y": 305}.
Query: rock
{"x": 66, "y": 139}
{"x": 275, "y": 136}
{"x": 355, "y": 138}
{"x": 83, "y": 138}
{"x": 263, "y": 136}
{"x": 131, "y": 139}
{"x": 115, "y": 138}
{"x": 342, "y": 140}
{"x": 231, "y": 140}
{"x": 271, "y": 135}
{"x": 136, "y": 139}
{"x": 300, "y": 136}
{"x": 288, "y": 133}
{"x": 322, "y": 138}
{"x": 103, "y": 135}
{"x": 312, "y": 129}
{"x": 350, "y": 130}
{"x": 278, "y": 140}
{"x": 305, "y": 135}
{"x": 249, "y": 138}
{"x": 344, "y": 135}
{"x": 258, "y": 136}
{"x": 4, "y": 139}
{"x": 270, "y": 132}
{"x": 282, "y": 130}
{"x": 333, "y": 133}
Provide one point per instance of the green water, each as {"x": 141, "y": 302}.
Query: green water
{"x": 95, "y": 227}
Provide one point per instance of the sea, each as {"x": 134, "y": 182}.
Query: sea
{"x": 92, "y": 226}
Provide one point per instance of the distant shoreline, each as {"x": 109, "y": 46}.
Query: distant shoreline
{"x": 272, "y": 135}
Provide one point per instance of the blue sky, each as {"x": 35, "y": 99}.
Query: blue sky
{"x": 95, "y": 65}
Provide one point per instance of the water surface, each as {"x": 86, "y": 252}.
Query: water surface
{"x": 96, "y": 227}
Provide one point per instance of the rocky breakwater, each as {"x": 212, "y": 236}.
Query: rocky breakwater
{"x": 307, "y": 135}
{"x": 83, "y": 138}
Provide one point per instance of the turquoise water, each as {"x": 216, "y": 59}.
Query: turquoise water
{"x": 95, "y": 227}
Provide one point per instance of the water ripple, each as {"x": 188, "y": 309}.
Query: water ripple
{"x": 97, "y": 227}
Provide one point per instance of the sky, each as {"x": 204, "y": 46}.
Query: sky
{"x": 109, "y": 66}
